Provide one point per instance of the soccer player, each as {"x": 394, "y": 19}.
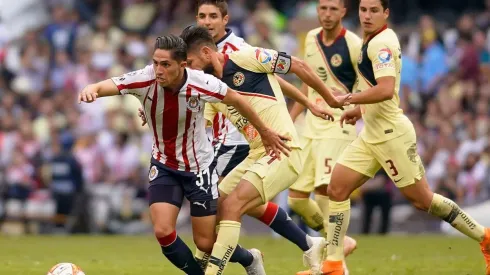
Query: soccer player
{"x": 231, "y": 146}
{"x": 261, "y": 175}
{"x": 332, "y": 51}
{"x": 173, "y": 99}
{"x": 387, "y": 140}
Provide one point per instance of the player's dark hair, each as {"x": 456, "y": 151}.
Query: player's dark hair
{"x": 385, "y": 4}
{"x": 196, "y": 36}
{"x": 222, "y": 5}
{"x": 174, "y": 44}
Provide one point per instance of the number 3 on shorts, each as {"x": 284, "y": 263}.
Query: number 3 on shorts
{"x": 392, "y": 168}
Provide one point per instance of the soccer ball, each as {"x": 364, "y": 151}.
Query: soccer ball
{"x": 65, "y": 269}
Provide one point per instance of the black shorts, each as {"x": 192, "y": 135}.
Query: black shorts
{"x": 226, "y": 158}
{"x": 171, "y": 186}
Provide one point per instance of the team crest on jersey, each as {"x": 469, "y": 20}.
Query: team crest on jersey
{"x": 153, "y": 173}
{"x": 336, "y": 60}
{"x": 263, "y": 56}
{"x": 238, "y": 79}
{"x": 193, "y": 104}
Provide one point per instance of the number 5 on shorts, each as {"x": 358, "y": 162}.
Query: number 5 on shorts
{"x": 328, "y": 167}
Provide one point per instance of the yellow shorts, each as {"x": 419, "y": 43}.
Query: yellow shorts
{"x": 320, "y": 156}
{"x": 398, "y": 157}
{"x": 270, "y": 176}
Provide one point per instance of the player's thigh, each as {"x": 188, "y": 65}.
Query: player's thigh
{"x": 400, "y": 159}
{"x": 204, "y": 232}
{"x": 270, "y": 176}
{"x": 304, "y": 185}
{"x": 201, "y": 189}
{"x": 354, "y": 167}
{"x": 326, "y": 155}
{"x": 230, "y": 182}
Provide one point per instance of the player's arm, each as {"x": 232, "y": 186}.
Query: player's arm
{"x": 209, "y": 113}
{"x": 134, "y": 83}
{"x": 297, "y": 108}
{"x": 100, "y": 89}
{"x": 271, "y": 140}
{"x": 384, "y": 68}
{"x": 299, "y": 97}
{"x": 300, "y": 68}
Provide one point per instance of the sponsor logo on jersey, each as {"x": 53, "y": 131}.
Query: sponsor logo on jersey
{"x": 263, "y": 56}
{"x": 385, "y": 55}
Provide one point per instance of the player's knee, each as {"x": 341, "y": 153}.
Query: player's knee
{"x": 337, "y": 193}
{"x": 162, "y": 230}
{"x": 322, "y": 190}
{"x": 204, "y": 244}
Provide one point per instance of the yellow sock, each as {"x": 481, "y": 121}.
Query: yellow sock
{"x": 202, "y": 258}
{"x": 309, "y": 211}
{"x": 229, "y": 233}
{"x": 338, "y": 223}
{"x": 323, "y": 202}
{"x": 450, "y": 212}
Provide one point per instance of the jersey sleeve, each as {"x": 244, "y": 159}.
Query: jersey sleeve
{"x": 210, "y": 88}
{"x": 210, "y": 112}
{"x": 135, "y": 83}
{"x": 261, "y": 60}
{"x": 382, "y": 58}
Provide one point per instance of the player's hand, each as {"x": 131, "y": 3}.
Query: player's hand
{"x": 341, "y": 99}
{"x": 89, "y": 94}
{"x": 350, "y": 117}
{"x": 320, "y": 112}
{"x": 142, "y": 116}
{"x": 275, "y": 143}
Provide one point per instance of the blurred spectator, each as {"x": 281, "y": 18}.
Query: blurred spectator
{"x": 377, "y": 192}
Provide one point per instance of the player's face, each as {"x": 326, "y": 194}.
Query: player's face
{"x": 210, "y": 16}
{"x": 372, "y": 15}
{"x": 167, "y": 69}
{"x": 330, "y": 12}
{"x": 200, "y": 60}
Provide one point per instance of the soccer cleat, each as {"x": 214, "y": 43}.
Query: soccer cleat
{"x": 313, "y": 257}
{"x": 333, "y": 268}
{"x": 485, "y": 249}
{"x": 257, "y": 266}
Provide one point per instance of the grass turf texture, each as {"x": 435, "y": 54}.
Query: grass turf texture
{"x": 106, "y": 255}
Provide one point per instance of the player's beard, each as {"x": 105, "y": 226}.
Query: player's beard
{"x": 209, "y": 69}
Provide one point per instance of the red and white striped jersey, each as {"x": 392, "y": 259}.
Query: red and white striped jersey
{"x": 224, "y": 131}
{"x": 176, "y": 119}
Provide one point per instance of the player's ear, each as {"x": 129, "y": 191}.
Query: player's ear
{"x": 226, "y": 18}
{"x": 386, "y": 14}
{"x": 343, "y": 11}
{"x": 183, "y": 64}
{"x": 207, "y": 51}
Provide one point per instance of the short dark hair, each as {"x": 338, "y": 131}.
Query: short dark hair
{"x": 174, "y": 44}
{"x": 195, "y": 36}
{"x": 385, "y": 4}
{"x": 222, "y": 5}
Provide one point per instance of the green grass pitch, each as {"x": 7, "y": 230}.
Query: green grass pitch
{"x": 106, "y": 255}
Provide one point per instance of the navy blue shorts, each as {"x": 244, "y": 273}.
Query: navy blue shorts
{"x": 226, "y": 158}
{"x": 171, "y": 186}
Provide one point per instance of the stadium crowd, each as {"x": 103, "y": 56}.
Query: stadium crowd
{"x": 67, "y": 44}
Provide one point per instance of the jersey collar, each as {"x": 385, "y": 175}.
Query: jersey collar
{"x": 376, "y": 33}
{"x": 340, "y": 36}
{"x": 228, "y": 33}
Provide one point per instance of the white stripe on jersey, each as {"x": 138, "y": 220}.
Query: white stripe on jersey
{"x": 224, "y": 131}
{"x": 176, "y": 119}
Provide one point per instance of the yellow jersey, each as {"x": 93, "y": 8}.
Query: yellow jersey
{"x": 381, "y": 56}
{"x": 250, "y": 71}
{"x": 336, "y": 65}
